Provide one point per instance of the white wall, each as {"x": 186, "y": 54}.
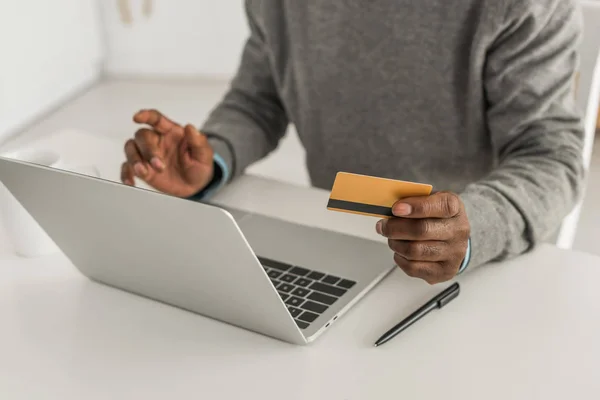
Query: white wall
{"x": 178, "y": 38}
{"x": 49, "y": 50}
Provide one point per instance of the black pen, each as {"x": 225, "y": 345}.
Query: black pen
{"x": 438, "y": 301}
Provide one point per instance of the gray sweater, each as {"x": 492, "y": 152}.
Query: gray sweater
{"x": 472, "y": 96}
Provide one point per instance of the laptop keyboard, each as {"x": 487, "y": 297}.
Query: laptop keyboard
{"x": 306, "y": 293}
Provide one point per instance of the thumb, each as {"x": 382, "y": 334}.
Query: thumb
{"x": 197, "y": 145}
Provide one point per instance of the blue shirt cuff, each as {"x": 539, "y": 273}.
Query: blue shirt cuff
{"x": 465, "y": 263}
{"x": 220, "y": 178}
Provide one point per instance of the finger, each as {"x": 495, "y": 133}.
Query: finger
{"x": 127, "y": 176}
{"x": 420, "y": 250}
{"x": 156, "y": 120}
{"x": 430, "y": 272}
{"x": 438, "y": 205}
{"x": 134, "y": 159}
{"x": 416, "y": 229}
{"x": 197, "y": 145}
{"x": 147, "y": 142}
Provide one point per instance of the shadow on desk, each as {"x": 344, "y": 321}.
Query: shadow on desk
{"x": 113, "y": 321}
{"x": 89, "y": 330}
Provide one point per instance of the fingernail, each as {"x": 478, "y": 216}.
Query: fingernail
{"x": 379, "y": 227}
{"x": 157, "y": 163}
{"x": 402, "y": 209}
{"x": 139, "y": 169}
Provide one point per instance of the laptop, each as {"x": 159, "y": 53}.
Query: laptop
{"x": 283, "y": 280}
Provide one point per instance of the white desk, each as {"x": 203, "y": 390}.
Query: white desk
{"x": 526, "y": 329}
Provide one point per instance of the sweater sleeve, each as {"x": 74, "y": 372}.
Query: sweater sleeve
{"x": 250, "y": 120}
{"x": 535, "y": 128}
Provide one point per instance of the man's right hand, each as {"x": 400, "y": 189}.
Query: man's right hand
{"x": 171, "y": 158}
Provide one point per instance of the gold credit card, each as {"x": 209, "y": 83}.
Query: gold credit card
{"x": 369, "y": 195}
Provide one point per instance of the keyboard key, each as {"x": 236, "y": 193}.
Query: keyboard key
{"x": 299, "y": 271}
{"x": 275, "y": 282}
{"x": 332, "y": 290}
{"x": 295, "y": 301}
{"x": 346, "y": 284}
{"x": 308, "y": 316}
{"x": 322, "y": 298}
{"x": 274, "y": 264}
{"x": 330, "y": 279}
{"x": 301, "y": 324}
{"x": 286, "y": 287}
{"x": 315, "y": 275}
{"x": 288, "y": 278}
{"x": 283, "y": 296}
{"x": 295, "y": 312}
{"x": 301, "y": 292}
{"x": 303, "y": 282}
{"x": 274, "y": 273}
{"x": 314, "y": 307}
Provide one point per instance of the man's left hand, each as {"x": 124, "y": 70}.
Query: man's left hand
{"x": 429, "y": 236}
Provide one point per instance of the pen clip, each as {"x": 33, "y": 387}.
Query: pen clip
{"x": 449, "y": 297}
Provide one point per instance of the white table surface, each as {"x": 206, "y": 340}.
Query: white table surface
{"x": 525, "y": 329}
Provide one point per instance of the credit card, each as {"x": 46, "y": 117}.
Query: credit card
{"x": 371, "y": 196}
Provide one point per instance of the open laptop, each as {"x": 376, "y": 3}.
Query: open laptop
{"x": 269, "y": 276}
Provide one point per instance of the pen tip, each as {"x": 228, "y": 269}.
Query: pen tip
{"x": 376, "y": 345}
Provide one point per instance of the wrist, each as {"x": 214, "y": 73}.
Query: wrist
{"x": 218, "y": 179}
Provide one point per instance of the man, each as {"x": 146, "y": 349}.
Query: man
{"x": 474, "y": 97}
